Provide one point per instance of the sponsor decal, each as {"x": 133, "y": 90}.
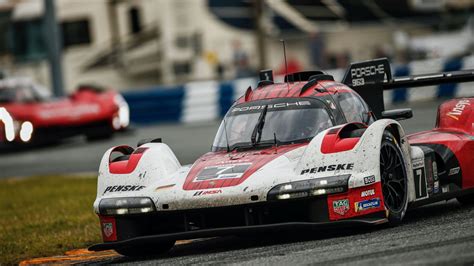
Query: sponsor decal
{"x": 271, "y": 106}
{"x": 367, "y": 71}
{"x": 435, "y": 171}
{"x": 70, "y": 111}
{"x": 358, "y": 75}
{"x": 369, "y": 180}
{"x": 207, "y": 192}
{"x": 445, "y": 189}
{"x": 367, "y": 193}
{"x": 418, "y": 162}
{"x": 108, "y": 228}
{"x": 332, "y": 167}
{"x": 341, "y": 207}
{"x": 123, "y": 188}
{"x": 367, "y": 204}
{"x": 222, "y": 172}
{"x": 436, "y": 187}
{"x": 456, "y": 112}
{"x": 421, "y": 183}
{"x": 454, "y": 171}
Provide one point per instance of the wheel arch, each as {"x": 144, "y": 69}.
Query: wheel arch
{"x": 374, "y": 134}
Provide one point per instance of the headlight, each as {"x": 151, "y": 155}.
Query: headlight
{"x": 124, "y": 111}
{"x": 308, "y": 188}
{"x": 121, "y": 206}
{"x": 26, "y": 131}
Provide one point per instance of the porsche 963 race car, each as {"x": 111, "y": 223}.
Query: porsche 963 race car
{"x": 307, "y": 153}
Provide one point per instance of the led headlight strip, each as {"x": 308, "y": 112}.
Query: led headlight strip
{"x": 122, "y": 206}
{"x": 310, "y": 187}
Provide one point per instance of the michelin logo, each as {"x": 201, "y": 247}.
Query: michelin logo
{"x": 367, "y": 204}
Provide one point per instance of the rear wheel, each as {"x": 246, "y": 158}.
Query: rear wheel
{"x": 393, "y": 178}
{"x": 146, "y": 250}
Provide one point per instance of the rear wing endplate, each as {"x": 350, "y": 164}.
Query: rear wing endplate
{"x": 371, "y": 78}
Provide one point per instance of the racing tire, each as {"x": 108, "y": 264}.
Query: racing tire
{"x": 394, "y": 179}
{"x": 146, "y": 250}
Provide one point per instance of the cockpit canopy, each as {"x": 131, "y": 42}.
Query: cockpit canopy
{"x": 281, "y": 120}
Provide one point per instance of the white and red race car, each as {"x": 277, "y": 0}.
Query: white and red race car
{"x": 307, "y": 153}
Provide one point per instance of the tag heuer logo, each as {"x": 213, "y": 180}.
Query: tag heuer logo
{"x": 108, "y": 229}
{"x": 340, "y": 207}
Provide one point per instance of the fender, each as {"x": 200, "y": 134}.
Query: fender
{"x": 360, "y": 161}
{"x": 339, "y": 139}
{"x": 156, "y": 161}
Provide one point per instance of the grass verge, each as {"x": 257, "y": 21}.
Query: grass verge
{"x": 46, "y": 216}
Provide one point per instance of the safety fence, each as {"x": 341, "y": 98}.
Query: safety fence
{"x": 210, "y": 100}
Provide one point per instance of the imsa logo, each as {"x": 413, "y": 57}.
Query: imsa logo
{"x": 207, "y": 192}
{"x": 458, "y": 109}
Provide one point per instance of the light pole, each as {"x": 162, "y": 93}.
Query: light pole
{"x": 51, "y": 33}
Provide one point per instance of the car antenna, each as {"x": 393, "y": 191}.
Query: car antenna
{"x": 286, "y": 64}
{"x": 226, "y": 138}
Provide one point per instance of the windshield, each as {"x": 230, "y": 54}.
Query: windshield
{"x": 286, "y": 120}
{"x": 19, "y": 93}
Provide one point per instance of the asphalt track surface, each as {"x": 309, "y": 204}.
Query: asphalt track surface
{"x": 441, "y": 233}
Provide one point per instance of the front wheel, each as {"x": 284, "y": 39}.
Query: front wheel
{"x": 394, "y": 179}
{"x": 142, "y": 250}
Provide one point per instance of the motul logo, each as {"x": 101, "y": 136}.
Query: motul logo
{"x": 458, "y": 109}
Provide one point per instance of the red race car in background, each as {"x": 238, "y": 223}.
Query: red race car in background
{"x": 29, "y": 114}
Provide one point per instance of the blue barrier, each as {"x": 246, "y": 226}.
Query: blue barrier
{"x": 155, "y": 105}
{"x": 400, "y": 95}
{"x": 226, "y": 97}
{"x": 449, "y": 90}
{"x": 186, "y": 103}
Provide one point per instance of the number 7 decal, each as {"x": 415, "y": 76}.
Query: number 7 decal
{"x": 420, "y": 183}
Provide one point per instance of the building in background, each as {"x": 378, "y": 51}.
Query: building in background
{"x": 128, "y": 44}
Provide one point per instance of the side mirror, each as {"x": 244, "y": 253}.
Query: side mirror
{"x": 398, "y": 114}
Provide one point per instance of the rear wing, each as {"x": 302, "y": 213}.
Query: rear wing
{"x": 371, "y": 78}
